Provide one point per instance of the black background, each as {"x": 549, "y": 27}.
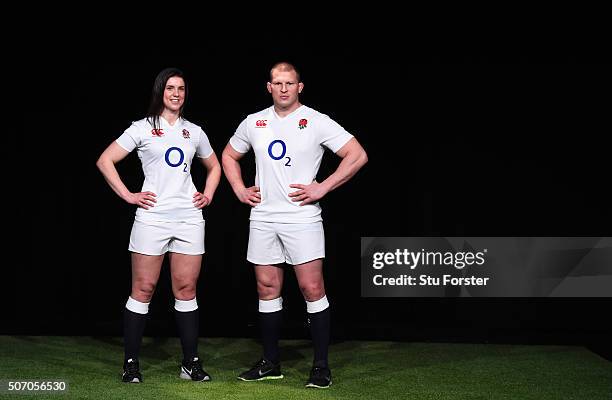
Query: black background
{"x": 500, "y": 137}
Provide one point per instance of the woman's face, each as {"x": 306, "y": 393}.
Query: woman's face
{"x": 174, "y": 93}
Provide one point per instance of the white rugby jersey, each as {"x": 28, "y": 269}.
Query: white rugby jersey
{"x": 166, "y": 156}
{"x": 287, "y": 150}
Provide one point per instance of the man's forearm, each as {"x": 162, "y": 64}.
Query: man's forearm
{"x": 233, "y": 173}
{"x": 346, "y": 170}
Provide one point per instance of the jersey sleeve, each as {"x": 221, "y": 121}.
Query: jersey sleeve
{"x": 131, "y": 138}
{"x": 240, "y": 141}
{"x": 331, "y": 134}
{"x": 204, "y": 149}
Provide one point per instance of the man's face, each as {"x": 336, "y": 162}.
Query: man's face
{"x": 284, "y": 88}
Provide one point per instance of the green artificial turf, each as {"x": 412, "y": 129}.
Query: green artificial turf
{"x": 361, "y": 370}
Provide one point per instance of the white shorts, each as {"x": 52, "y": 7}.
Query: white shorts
{"x": 275, "y": 243}
{"x": 155, "y": 237}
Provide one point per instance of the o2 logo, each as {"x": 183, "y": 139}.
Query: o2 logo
{"x": 271, "y": 150}
{"x": 181, "y": 158}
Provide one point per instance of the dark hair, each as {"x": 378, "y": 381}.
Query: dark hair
{"x": 156, "y": 106}
{"x": 285, "y": 66}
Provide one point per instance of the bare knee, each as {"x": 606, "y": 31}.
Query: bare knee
{"x": 312, "y": 291}
{"x": 268, "y": 288}
{"x": 143, "y": 291}
{"x": 185, "y": 291}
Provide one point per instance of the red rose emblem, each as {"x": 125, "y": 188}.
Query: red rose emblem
{"x": 303, "y": 123}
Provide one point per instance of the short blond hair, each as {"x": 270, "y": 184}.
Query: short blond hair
{"x": 285, "y": 66}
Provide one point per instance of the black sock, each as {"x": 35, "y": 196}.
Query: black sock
{"x": 188, "y": 324}
{"x": 133, "y": 328}
{"x": 319, "y": 330}
{"x": 270, "y": 325}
